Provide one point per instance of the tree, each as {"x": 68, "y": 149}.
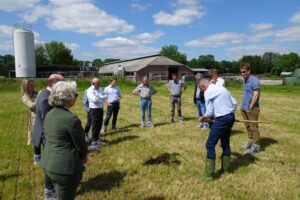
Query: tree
{"x": 256, "y": 62}
{"x": 207, "y": 61}
{"x": 110, "y": 60}
{"x": 41, "y": 56}
{"x": 171, "y": 51}
{"x": 7, "y": 62}
{"x": 286, "y": 62}
{"x": 97, "y": 62}
{"x": 193, "y": 63}
{"x": 269, "y": 59}
{"x": 58, "y": 53}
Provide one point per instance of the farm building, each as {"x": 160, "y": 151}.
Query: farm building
{"x": 157, "y": 67}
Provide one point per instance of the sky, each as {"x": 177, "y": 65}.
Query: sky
{"x": 227, "y": 29}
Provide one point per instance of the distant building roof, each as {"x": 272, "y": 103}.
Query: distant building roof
{"x": 199, "y": 69}
{"x": 137, "y": 64}
{"x": 58, "y": 68}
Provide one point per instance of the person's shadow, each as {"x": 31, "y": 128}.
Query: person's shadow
{"x": 102, "y": 182}
{"x": 123, "y": 139}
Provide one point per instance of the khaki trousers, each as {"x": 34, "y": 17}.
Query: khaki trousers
{"x": 252, "y": 128}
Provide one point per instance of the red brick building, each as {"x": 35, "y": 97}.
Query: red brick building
{"x": 157, "y": 67}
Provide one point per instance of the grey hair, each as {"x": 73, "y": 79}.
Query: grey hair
{"x": 62, "y": 92}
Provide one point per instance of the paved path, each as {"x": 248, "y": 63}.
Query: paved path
{"x": 271, "y": 82}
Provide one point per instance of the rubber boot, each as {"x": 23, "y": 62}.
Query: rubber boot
{"x": 225, "y": 164}
{"x": 209, "y": 170}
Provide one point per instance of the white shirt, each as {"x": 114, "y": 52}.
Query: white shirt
{"x": 96, "y": 97}
{"x": 218, "y": 101}
{"x": 219, "y": 82}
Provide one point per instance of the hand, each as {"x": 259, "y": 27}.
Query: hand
{"x": 108, "y": 104}
{"x": 201, "y": 119}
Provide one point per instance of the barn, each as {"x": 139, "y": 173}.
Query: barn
{"x": 157, "y": 67}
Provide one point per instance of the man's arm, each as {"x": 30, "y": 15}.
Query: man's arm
{"x": 136, "y": 91}
{"x": 254, "y": 99}
{"x": 92, "y": 97}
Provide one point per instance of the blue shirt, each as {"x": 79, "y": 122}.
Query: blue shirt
{"x": 86, "y": 102}
{"x": 113, "y": 93}
{"x": 218, "y": 101}
{"x": 249, "y": 85}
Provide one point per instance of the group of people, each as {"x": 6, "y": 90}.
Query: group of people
{"x": 65, "y": 141}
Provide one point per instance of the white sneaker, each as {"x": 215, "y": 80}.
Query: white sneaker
{"x": 86, "y": 138}
{"x": 180, "y": 121}
{"x": 95, "y": 146}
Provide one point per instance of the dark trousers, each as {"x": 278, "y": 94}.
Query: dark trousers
{"x": 97, "y": 120}
{"x": 88, "y": 123}
{"x": 65, "y": 185}
{"x": 220, "y": 129}
{"x": 112, "y": 110}
{"x": 176, "y": 101}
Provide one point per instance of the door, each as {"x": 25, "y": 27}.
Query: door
{"x": 172, "y": 70}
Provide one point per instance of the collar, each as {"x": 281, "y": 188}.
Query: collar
{"x": 48, "y": 88}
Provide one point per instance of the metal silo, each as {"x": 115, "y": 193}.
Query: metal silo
{"x": 24, "y": 53}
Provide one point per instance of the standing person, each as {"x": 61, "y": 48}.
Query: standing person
{"x": 199, "y": 100}
{"x": 66, "y": 151}
{"x": 220, "y": 105}
{"x": 96, "y": 98}
{"x": 114, "y": 96}
{"x": 145, "y": 92}
{"x": 28, "y": 98}
{"x": 215, "y": 79}
{"x": 176, "y": 87}
{"x": 88, "y": 121}
{"x": 250, "y": 108}
{"x": 42, "y": 107}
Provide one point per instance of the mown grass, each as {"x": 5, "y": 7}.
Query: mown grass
{"x": 117, "y": 171}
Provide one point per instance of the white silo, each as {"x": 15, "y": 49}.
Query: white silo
{"x": 24, "y": 53}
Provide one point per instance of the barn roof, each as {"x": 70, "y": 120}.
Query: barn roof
{"x": 137, "y": 64}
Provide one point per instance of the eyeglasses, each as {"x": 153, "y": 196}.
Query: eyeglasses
{"x": 243, "y": 72}
{"x": 76, "y": 95}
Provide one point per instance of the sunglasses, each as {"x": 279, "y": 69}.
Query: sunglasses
{"x": 243, "y": 72}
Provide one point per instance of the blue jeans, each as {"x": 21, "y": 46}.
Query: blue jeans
{"x": 220, "y": 129}
{"x": 146, "y": 104}
{"x": 201, "y": 108}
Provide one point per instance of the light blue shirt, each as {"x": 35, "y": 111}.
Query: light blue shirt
{"x": 176, "y": 87}
{"x": 218, "y": 101}
{"x": 113, "y": 93}
{"x": 86, "y": 102}
{"x": 249, "y": 85}
{"x": 96, "y": 97}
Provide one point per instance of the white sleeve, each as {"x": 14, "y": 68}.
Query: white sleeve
{"x": 92, "y": 97}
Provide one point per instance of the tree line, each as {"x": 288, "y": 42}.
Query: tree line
{"x": 56, "y": 53}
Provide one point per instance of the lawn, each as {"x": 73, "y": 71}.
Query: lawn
{"x": 117, "y": 171}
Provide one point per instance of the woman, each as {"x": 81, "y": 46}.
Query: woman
{"x": 28, "y": 98}
{"x": 65, "y": 153}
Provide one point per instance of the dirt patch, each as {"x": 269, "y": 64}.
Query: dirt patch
{"x": 165, "y": 158}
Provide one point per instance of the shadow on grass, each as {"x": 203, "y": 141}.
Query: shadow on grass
{"x": 155, "y": 198}
{"x": 123, "y": 139}
{"x": 235, "y": 132}
{"x": 161, "y": 124}
{"x": 265, "y": 142}
{"x": 189, "y": 118}
{"x": 4, "y": 177}
{"x": 102, "y": 182}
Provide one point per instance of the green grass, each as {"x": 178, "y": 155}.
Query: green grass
{"x": 117, "y": 171}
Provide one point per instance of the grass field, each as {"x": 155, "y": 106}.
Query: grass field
{"x": 117, "y": 171}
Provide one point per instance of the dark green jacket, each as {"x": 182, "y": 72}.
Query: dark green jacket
{"x": 65, "y": 145}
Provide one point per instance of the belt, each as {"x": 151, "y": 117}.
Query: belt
{"x": 145, "y": 98}
{"x": 176, "y": 96}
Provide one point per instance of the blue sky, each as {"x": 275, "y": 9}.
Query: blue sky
{"x": 124, "y": 29}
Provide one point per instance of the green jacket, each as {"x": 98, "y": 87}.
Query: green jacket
{"x": 65, "y": 146}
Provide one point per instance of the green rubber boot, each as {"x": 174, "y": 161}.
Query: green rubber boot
{"x": 209, "y": 170}
{"x": 225, "y": 164}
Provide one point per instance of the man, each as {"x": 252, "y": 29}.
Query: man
{"x": 114, "y": 95}
{"x": 199, "y": 100}
{"x": 176, "y": 87}
{"x": 42, "y": 108}
{"x": 145, "y": 92}
{"x": 215, "y": 79}
{"x": 221, "y": 106}
{"x": 88, "y": 122}
{"x": 250, "y": 108}
{"x": 96, "y": 98}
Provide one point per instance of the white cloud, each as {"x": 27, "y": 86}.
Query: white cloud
{"x": 123, "y": 48}
{"x": 147, "y": 38}
{"x": 261, "y": 35}
{"x": 6, "y": 46}
{"x": 5, "y": 31}
{"x": 217, "y": 40}
{"x": 235, "y": 53}
{"x": 137, "y": 6}
{"x": 296, "y": 17}
{"x": 186, "y": 12}
{"x": 15, "y": 5}
{"x": 260, "y": 27}
{"x": 288, "y": 34}
{"x": 80, "y": 16}
{"x": 71, "y": 46}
